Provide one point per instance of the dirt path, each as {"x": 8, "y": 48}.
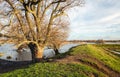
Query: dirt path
{"x": 92, "y": 62}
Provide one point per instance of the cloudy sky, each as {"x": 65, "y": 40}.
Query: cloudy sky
{"x": 98, "y": 19}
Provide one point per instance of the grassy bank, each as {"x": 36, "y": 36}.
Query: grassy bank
{"x": 114, "y": 47}
{"x": 80, "y": 61}
{"x": 99, "y": 54}
{"x": 54, "y": 70}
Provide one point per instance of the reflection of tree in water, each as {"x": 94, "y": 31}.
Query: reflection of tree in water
{"x": 24, "y": 53}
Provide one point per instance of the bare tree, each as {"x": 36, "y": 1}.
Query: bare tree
{"x": 59, "y": 34}
{"x": 100, "y": 41}
{"x": 27, "y": 18}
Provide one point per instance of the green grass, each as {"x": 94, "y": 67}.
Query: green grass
{"x": 99, "y": 53}
{"x": 55, "y": 70}
{"x": 114, "y": 47}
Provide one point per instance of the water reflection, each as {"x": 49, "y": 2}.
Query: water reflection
{"x": 10, "y": 50}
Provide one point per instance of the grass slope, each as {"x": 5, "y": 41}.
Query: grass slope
{"x": 55, "y": 70}
{"x": 80, "y": 61}
{"x": 100, "y": 54}
{"x": 113, "y": 47}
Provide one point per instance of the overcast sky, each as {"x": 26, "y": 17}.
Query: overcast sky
{"x": 98, "y": 19}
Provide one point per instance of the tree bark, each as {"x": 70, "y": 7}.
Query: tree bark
{"x": 36, "y": 51}
{"x": 56, "y": 51}
{"x": 39, "y": 54}
{"x": 33, "y": 50}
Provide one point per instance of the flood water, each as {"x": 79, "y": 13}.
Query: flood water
{"x": 10, "y": 50}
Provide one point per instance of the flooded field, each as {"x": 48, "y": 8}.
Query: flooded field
{"x": 10, "y": 50}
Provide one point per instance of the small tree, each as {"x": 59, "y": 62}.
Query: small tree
{"x": 100, "y": 41}
{"x": 59, "y": 34}
{"x": 27, "y": 18}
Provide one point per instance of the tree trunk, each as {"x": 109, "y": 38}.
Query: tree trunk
{"x": 39, "y": 54}
{"x": 36, "y": 51}
{"x": 56, "y": 51}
